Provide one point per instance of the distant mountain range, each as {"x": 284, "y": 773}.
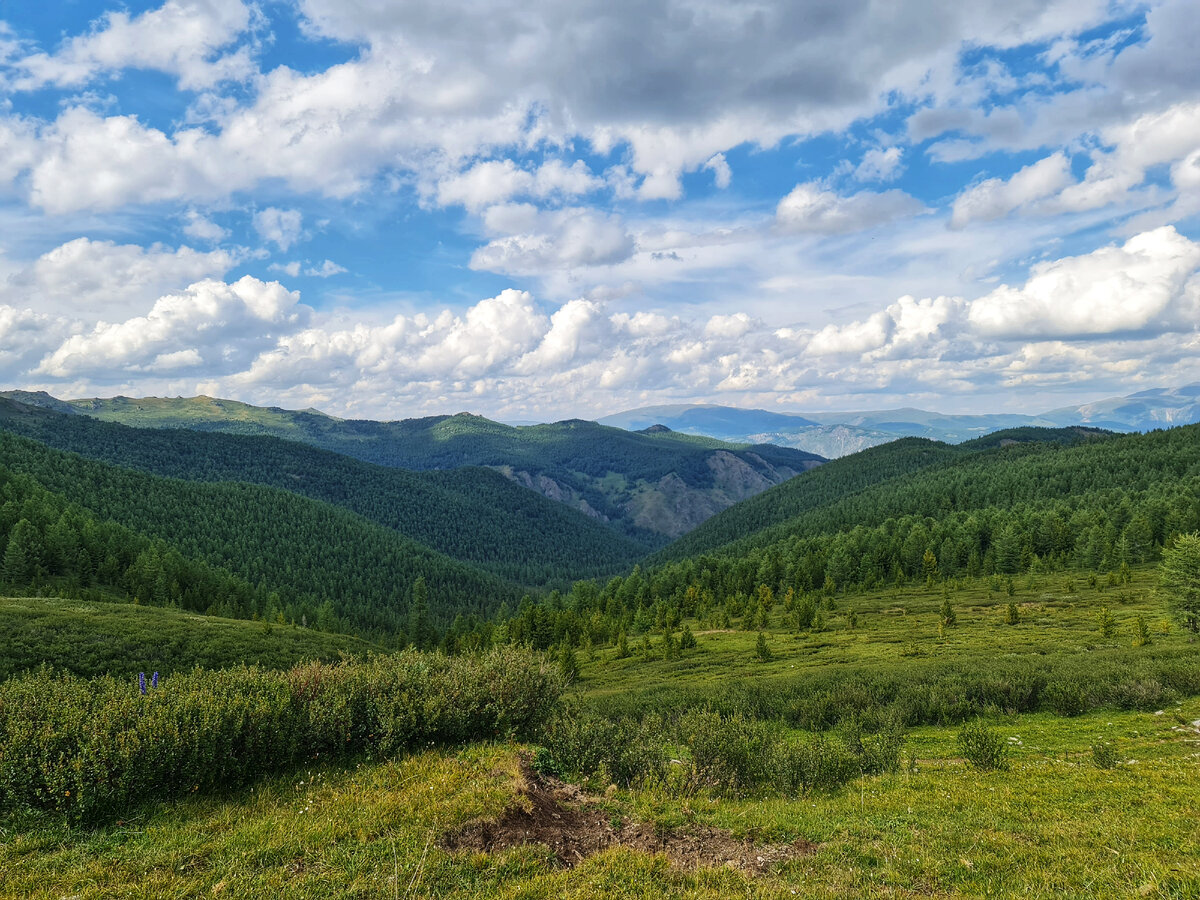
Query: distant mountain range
{"x": 649, "y": 486}
{"x": 834, "y": 435}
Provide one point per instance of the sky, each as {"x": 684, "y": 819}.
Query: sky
{"x": 536, "y": 210}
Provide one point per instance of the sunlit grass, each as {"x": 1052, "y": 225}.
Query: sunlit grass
{"x": 1051, "y": 825}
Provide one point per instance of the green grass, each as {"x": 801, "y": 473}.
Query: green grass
{"x": 123, "y": 639}
{"x": 897, "y": 630}
{"x": 1051, "y": 826}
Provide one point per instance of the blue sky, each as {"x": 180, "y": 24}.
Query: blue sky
{"x": 535, "y": 210}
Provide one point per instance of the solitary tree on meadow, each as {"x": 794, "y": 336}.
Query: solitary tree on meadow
{"x": 1179, "y": 577}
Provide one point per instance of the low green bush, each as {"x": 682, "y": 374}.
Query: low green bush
{"x": 1104, "y": 755}
{"x": 729, "y": 753}
{"x": 93, "y": 748}
{"x": 982, "y": 746}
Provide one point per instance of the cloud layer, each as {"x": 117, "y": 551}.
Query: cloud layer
{"x": 1137, "y": 304}
{"x": 770, "y": 202}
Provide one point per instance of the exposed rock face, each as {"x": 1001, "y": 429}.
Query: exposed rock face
{"x": 548, "y": 487}
{"x": 672, "y": 507}
{"x": 669, "y": 506}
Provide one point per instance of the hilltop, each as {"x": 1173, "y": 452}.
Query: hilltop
{"x": 647, "y": 486}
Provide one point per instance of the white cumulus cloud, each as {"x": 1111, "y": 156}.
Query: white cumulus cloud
{"x": 995, "y": 197}
{"x": 812, "y": 208}
{"x": 96, "y": 279}
{"x": 220, "y": 326}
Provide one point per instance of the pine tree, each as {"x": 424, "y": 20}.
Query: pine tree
{"x": 929, "y": 566}
{"x": 947, "y": 613}
{"x": 22, "y": 555}
{"x": 568, "y": 665}
{"x": 761, "y": 651}
{"x": 622, "y": 645}
{"x": 420, "y": 629}
{"x": 1179, "y": 578}
{"x": 687, "y": 640}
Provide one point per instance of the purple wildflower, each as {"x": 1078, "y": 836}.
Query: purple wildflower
{"x": 142, "y": 681}
{"x": 154, "y": 680}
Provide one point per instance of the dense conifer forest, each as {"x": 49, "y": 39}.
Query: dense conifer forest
{"x": 472, "y": 514}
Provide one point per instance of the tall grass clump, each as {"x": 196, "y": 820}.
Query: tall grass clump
{"x": 91, "y": 749}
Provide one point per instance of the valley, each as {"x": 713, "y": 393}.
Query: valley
{"x": 922, "y": 669}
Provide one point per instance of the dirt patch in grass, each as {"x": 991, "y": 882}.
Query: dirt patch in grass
{"x": 574, "y": 826}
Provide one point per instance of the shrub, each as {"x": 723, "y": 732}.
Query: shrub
{"x": 1104, "y": 755}
{"x": 92, "y": 748}
{"x": 982, "y": 746}
{"x": 1067, "y": 698}
{"x": 733, "y": 754}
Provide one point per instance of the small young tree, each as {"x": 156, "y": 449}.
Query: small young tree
{"x": 687, "y": 640}
{"x": 929, "y": 566}
{"x": 1108, "y": 624}
{"x": 1179, "y": 578}
{"x": 1012, "y": 615}
{"x": 761, "y": 651}
{"x": 1141, "y": 632}
{"x": 622, "y": 645}
{"x": 568, "y": 664}
{"x": 946, "y": 613}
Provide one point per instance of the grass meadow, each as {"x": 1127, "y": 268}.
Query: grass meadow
{"x": 1058, "y": 819}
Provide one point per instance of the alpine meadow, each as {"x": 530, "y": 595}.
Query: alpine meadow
{"x": 542, "y": 450}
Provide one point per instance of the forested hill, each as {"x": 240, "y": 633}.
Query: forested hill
{"x": 1078, "y": 473}
{"x": 821, "y": 487}
{"x": 647, "y": 485}
{"x": 333, "y": 566}
{"x": 471, "y": 514}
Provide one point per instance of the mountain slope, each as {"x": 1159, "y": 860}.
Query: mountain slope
{"x": 1084, "y": 468}
{"x": 826, "y": 485}
{"x": 647, "y": 485}
{"x": 471, "y": 514}
{"x": 121, "y": 639}
{"x": 321, "y": 560}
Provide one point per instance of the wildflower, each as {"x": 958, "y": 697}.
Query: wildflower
{"x": 154, "y": 680}
{"x": 142, "y": 681}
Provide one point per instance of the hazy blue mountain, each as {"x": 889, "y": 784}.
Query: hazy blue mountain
{"x": 837, "y": 434}
{"x": 1143, "y": 411}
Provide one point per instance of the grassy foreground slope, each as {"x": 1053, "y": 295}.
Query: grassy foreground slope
{"x": 122, "y": 639}
{"x": 472, "y": 514}
{"x": 1051, "y": 824}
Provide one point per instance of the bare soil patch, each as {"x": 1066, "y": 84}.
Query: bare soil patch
{"x": 574, "y": 826}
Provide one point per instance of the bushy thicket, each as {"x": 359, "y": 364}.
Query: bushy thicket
{"x": 93, "y": 748}
{"x": 931, "y": 693}
{"x": 731, "y": 753}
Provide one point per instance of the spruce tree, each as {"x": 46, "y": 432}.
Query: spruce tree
{"x": 22, "y": 555}
{"x": 761, "y": 651}
{"x": 1179, "y": 578}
